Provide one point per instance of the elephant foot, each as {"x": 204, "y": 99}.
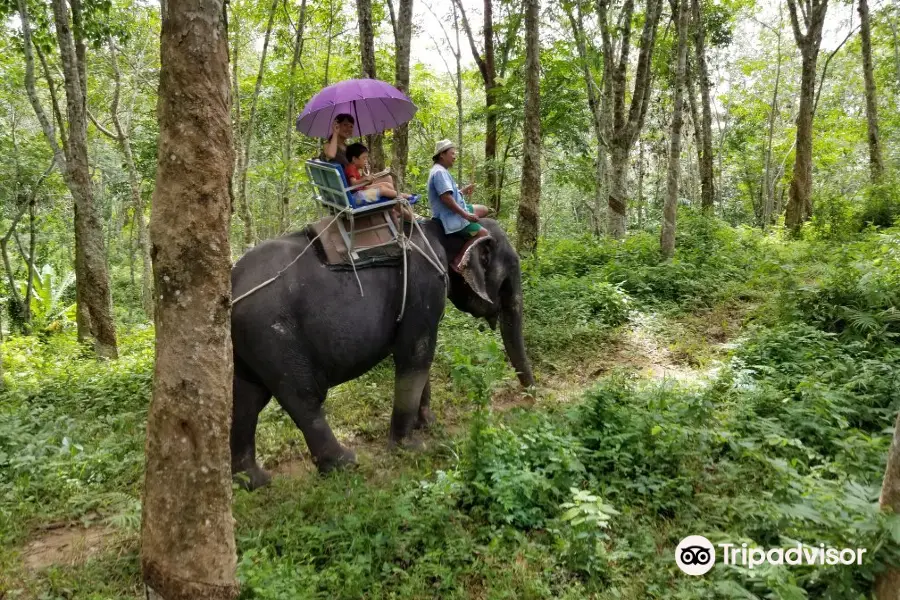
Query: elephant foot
{"x": 426, "y": 418}
{"x": 410, "y": 443}
{"x": 252, "y": 478}
{"x": 342, "y": 459}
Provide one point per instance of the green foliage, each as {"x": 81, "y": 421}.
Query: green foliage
{"x": 48, "y": 313}
{"x": 71, "y": 431}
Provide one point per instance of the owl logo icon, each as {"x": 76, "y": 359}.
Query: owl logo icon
{"x": 695, "y": 555}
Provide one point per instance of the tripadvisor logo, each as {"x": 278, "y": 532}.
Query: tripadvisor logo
{"x": 695, "y": 555}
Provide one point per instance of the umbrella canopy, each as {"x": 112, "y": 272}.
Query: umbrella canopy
{"x": 375, "y": 105}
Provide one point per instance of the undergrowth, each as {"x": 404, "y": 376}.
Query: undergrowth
{"x": 786, "y": 442}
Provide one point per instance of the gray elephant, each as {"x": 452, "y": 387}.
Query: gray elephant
{"x": 311, "y": 330}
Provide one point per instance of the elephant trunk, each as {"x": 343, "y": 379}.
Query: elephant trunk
{"x": 511, "y": 331}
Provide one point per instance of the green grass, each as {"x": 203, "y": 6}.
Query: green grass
{"x": 581, "y": 499}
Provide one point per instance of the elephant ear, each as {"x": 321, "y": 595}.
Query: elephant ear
{"x": 473, "y": 266}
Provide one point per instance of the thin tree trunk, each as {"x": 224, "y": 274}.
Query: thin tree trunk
{"x": 887, "y": 583}
{"x": 487, "y": 68}
{"x": 624, "y": 127}
{"x": 597, "y": 108}
{"x": 244, "y": 162}
{"x": 640, "y": 186}
{"x": 707, "y": 188}
{"x": 875, "y": 160}
{"x": 400, "y": 149}
{"x": 134, "y": 181}
{"x": 800, "y": 208}
{"x": 286, "y": 155}
{"x": 187, "y": 537}
{"x": 769, "y": 181}
{"x": 367, "y": 52}
{"x": 670, "y": 210}
{"x": 330, "y": 42}
{"x": 32, "y": 256}
{"x": 896, "y": 38}
{"x": 4, "y": 241}
{"x": 92, "y": 277}
{"x": 528, "y": 222}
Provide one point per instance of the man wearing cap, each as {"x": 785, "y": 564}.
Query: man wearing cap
{"x": 447, "y": 204}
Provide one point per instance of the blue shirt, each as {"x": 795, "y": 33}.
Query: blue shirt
{"x": 440, "y": 181}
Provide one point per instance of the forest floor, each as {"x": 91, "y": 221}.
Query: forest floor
{"x": 685, "y": 348}
{"x": 744, "y": 391}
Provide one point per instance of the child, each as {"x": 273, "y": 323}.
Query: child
{"x": 357, "y": 162}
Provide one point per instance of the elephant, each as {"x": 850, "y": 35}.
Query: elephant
{"x": 311, "y": 329}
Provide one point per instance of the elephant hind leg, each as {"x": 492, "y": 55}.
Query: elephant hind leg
{"x": 250, "y": 397}
{"x": 305, "y": 408}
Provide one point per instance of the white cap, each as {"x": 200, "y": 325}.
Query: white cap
{"x": 441, "y": 146}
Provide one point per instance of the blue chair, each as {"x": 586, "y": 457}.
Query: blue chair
{"x": 331, "y": 188}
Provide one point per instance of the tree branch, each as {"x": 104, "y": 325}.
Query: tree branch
{"x": 390, "y": 4}
{"x": 30, "y": 88}
{"x": 101, "y": 128}
{"x": 479, "y": 60}
{"x": 795, "y": 25}
{"x": 825, "y": 68}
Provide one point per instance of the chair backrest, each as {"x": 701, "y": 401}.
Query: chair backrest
{"x": 330, "y": 183}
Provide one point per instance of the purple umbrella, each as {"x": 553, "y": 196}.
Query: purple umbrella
{"x": 375, "y": 105}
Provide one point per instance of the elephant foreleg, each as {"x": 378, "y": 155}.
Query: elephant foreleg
{"x": 426, "y": 417}
{"x": 408, "y": 388}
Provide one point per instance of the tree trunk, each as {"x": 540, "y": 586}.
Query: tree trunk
{"x": 187, "y": 537}
{"x": 640, "y": 186}
{"x": 528, "y": 223}
{"x": 887, "y": 583}
{"x": 670, "y": 210}
{"x": 286, "y": 155}
{"x": 769, "y": 180}
{"x": 799, "y": 208}
{"x": 244, "y": 162}
{"x": 367, "y": 52}
{"x": 875, "y": 161}
{"x": 92, "y": 277}
{"x": 598, "y": 112}
{"x": 400, "y": 150}
{"x": 134, "y": 181}
{"x": 617, "y": 190}
{"x": 488, "y": 70}
{"x": 707, "y": 189}
{"x": 625, "y": 126}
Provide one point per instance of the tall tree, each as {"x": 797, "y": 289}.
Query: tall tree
{"x": 812, "y": 12}
{"x": 624, "y": 128}
{"x": 597, "y": 105}
{"x": 243, "y": 159}
{"x": 707, "y": 186}
{"x": 670, "y": 209}
{"x": 290, "y": 112}
{"x": 123, "y": 139}
{"x": 456, "y": 73}
{"x": 187, "y": 537}
{"x": 488, "y": 70}
{"x": 402, "y": 24}
{"x": 528, "y": 223}
{"x": 768, "y": 209}
{"x": 887, "y": 583}
{"x": 367, "y": 51}
{"x": 71, "y": 156}
{"x": 875, "y": 161}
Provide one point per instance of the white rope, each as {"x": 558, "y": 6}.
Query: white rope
{"x": 279, "y": 273}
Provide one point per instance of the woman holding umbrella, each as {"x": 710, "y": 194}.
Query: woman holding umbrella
{"x": 351, "y": 108}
